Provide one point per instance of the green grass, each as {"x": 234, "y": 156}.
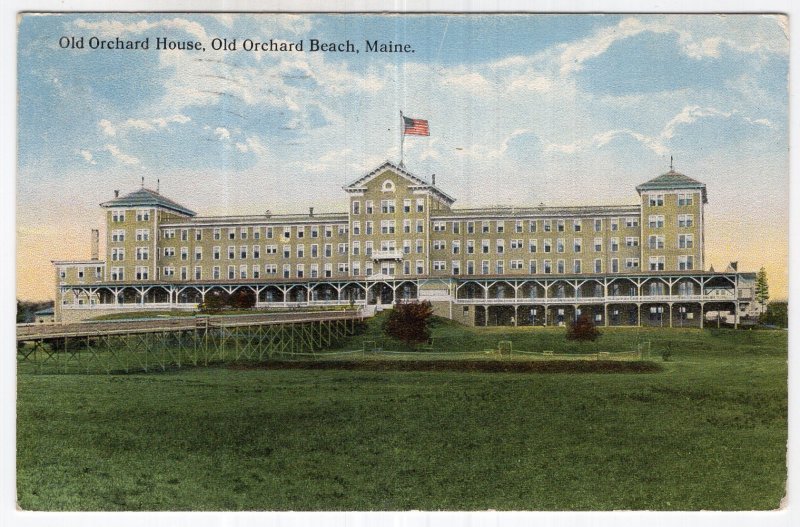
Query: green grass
{"x": 709, "y": 432}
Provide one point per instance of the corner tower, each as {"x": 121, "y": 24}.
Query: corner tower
{"x": 672, "y": 223}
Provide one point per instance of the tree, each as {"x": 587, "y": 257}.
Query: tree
{"x": 242, "y": 299}
{"x": 583, "y": 329}
{"x": 777, "y": 314}
{"x": 408, "y": 322}
{"x": 762, "y": 288}
{"x": 214, "y": 301}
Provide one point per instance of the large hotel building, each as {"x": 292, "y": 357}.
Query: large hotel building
{"x": 402, "y": 239}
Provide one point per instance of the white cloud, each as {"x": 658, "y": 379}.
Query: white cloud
{"x": 222, "y": 133}
{"x": 115, "y": 28}
{"x": 88, "y": 157}
{"x": 124, "y": 158}
{"x": 107, "y": 127}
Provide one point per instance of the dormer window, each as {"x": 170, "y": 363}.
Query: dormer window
{"x": 388, "y": 186}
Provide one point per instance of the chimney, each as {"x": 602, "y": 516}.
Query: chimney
{"x": 116, "y": 193}
{"x": 95, "y": 244}
{"x": 433, "y": 179}
{"x": 311, "y": 211}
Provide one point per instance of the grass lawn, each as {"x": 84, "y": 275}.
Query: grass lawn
{"x": 707, "y": 432}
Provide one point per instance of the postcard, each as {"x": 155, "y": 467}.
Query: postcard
{"x": 402, "y": 262}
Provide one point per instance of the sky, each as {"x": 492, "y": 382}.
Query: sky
{"x": 523, "y": 109}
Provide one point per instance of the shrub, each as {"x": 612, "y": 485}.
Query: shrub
{"x": 666, "y": 353}
{"x": 583, "y": 330}
{"x": 242, "y": 299}
{"x": 214, "y": 301}
{"x": 408, "y": 322}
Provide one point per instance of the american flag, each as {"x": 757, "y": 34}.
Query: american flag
{"x": 415, "y": 126}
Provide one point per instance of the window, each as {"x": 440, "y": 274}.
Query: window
{"x": 117, "y": 274}
{"x": 368, "y": 248}
{"x": 169, "y": 234}
{"x": 470, "y": 227}
{"x": 256, "y": 251}
{"x": 598, "y": 225}
{"x": 406, "y": 205}
{"x": 184, "y": 253}
{"x": 80, "y": 273}
{"x": 656, "y": 263}
{"x": 548, "y": 267}
{"x": 418, "y": 248}
{"x": 301, "y": 270}
{"x": 470, "y": 267}
{"x": 532, "y": 267}
{"x": 614, "y": 245}
{"x": 501, "y": 245}
{"x": 576, "y": 266}
{"x": 576, "y": 225}
{"x": 516, "y": 265}
{"x": 370, "y": 227}
{"x": 656, "y": 200}
{"x": 685, "y": 220}
{"x": 685, "y": 263}
{"x": 356, "y": 207}
{"x": 142, "y": 215}
{"x": 685, "y": 241}
{"x": 216, "y": 234}
{"x": 256, "y": 271}
{"x": 438, "y": 265}
{"x": 560, "y": 267}
{"x": 301, "y": 251}
{"x": 532, "y": 245}
{"x": 368, "y": 207}
{"x": 547, "y": 245}
{"x": 485, "y": 227}
{"x": 518, "y": 226}
{"x": 420, "y": 265}
{"x": 271, "y": 249}
{"x": 169, "y": 252}
{"x": 631, "y": 221}
{"x": 198, "y": 235}
{"x": 655, "y": 241}
{"x": 287, "y": 270}
{"x": 301, "y": 231}
{"x": 118, "y": 216}
{"x": 217, "y": 250}
{"x": 631, "y": 263}
{"x": 388, "y": 206}
{"x": 516, "y": 244}
{"x": 142, "y": 273}
{"x": 231, "y": 234}
{"x": 560, "y": 245}
{"x": 215, "y": 272}
{"x": 439, "y": 226}
{"x": 456, "y": 227}
{"x": 314, "y": 250}
{"x": 118, "y": 235}
{"x": 198, "y": 273}
{"x": 598, "y": 265}
{"x": 456, "y": 246}
{"x": 388, "y": 226}
{"x": 615, "y": 265}
{"x": 499, "y": 267}
{"x": 598, "y": 245}
{"x": 343, "y": 268}
{"x": 287, "y": 232}
{"x": 256, "y": 233}
{"x": 685, "y": 200}
{"x": 117, "y": 254}
{"x": 328, "y": 231}
{"x": 142, "y": 253}
{"x": 315, "y": 232}
{"x": 655, "y": 221}
{"x": 231, "y": 272}
{"x": 343, "y": 248}
{"x": 531, "y": 225}
{"x": 406, "y": 226}
{"x": 560, "y": 225}
{"x": 406, "y": 246}
{"x": 231, "y": 252}
{"x": 142, "y": 235}
{"x": 243, "y": 233}
{"x": 547, "y": 225}
{"x": 632, "y": 241}
{"x": 356, "y": 248}
{"x": 270, "y": 232}
{"x": 470, "y": 246}
{"x": 420, "y": 226}
{"x": 421, "y": 205}
{"x": 169, "y": 271}
{"x": 356, "y": 228}
{"x": 614, "y": 224}
{"x": 271, "y": 269}
{"x": 577, "y": 245}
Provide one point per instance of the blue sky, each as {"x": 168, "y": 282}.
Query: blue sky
{"x": 561, "y": 109}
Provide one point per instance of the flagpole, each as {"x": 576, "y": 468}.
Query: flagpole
{"x": 402, "y": 137}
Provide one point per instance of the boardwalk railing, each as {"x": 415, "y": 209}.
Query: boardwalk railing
{"x": 159, "y": 344}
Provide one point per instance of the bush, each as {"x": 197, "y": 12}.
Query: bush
{"x": 242, "y": 299}
{"x": 214, "y": 301}
{"x": 583, "y": 330}
{"x": 408, "y": 322}
{"x": 777, "y": 314}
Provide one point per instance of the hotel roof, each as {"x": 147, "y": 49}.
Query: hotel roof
{"x": 673, "y": 180}
{"x": 144, "y": 197}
